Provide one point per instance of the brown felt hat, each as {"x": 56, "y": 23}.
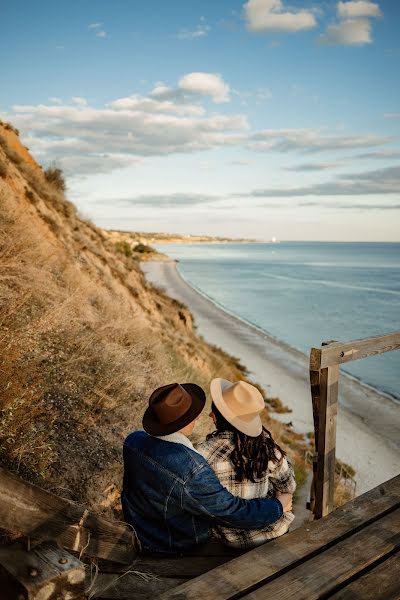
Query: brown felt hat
{"x": 172, "y": 407}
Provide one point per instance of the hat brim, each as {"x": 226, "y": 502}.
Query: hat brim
{"x": 154, "y": 427}
{"x": 251, "y": 427}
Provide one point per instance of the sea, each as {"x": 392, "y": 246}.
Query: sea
{"x": 304, "y": 293}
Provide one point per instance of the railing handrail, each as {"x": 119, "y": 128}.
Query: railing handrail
{"x": 336, "y": 353}
{"x": 324, "y": 379}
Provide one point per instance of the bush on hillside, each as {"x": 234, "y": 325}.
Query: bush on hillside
{"x": 123, "y": 247}
{"x": 143, "y": 249}
{"x": 3, "y": 169}
{"x": 55, "y": 177}
{"x": 11, "y": 128}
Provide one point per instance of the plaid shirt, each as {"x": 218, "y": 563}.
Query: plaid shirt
{"x": 279, "y": 477}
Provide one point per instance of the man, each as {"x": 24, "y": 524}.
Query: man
{"x": 171, "y": 495}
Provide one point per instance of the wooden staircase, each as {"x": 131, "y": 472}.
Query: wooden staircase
{"x": 66, "y": 552}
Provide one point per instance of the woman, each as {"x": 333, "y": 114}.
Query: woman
{"x": 245, "y": 458}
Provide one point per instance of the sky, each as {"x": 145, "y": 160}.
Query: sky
{"x": 259, "y": 118}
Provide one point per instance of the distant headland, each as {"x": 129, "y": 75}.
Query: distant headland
{"x": 174, "y": 238}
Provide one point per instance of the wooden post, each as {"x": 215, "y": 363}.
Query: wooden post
{"x": 326, "y": 441}
{"x": 324, "y": 389}
{"x": 46, "y": 572}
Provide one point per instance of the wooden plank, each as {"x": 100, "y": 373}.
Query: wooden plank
{"x": 29, "y": 510}
{"x": 185, "y": 567}
{"x": 326, "y": 444}
{"x": 129, "y": 586}
{"x": 256, "y": 566}
{"x": 381, "y": 583}
{"x": 46, "y": 572}
{"x": 323, "y": 574}
{"x": 315, "y": 397}
{"x": 339, "y": 352}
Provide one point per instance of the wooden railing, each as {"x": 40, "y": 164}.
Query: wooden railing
{"x": 324, "y": 379}
{"x": 40, "y": 515}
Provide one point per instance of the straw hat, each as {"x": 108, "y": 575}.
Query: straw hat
{"x": 240, "y": 403}
{"x": 172, "y": 407}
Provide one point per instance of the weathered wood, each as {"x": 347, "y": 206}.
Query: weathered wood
{"x": 32, "y": 511}
{"x": 129, "y": 586}
{"x": 185, "y": 567}
{"x": 339, "y": 352}
{"x": 327, "y": 571}
{"x": 46, "y": 572}
{"x": 325, "y": 479}
{"x": 381, "y": 583}
{"x": 257, "y": 566}
{"x": 315, "y": 397}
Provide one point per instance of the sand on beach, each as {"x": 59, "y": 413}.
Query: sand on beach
{"x": 368, "y": 425}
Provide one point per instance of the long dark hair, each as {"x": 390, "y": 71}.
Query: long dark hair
{"x": 251, "y": 455}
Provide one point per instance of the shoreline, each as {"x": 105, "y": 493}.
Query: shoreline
{"x": 270, "y": 337}
{"x": 368, "y": 426}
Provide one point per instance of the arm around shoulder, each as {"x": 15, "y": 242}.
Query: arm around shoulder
{"x": 282, "y": 476}
{"x": 205, "y": 496}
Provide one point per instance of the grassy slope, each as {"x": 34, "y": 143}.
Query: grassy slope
{"x": 83, "y": 342}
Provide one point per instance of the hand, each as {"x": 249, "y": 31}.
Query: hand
{"x": 286, "y": 500}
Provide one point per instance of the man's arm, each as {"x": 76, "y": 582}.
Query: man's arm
{"x": 205, "y": 496}
{"x": 282, "y": 478}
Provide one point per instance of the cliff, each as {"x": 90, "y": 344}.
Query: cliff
{"x": 83, "y": 340}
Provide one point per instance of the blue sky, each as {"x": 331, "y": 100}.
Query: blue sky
{"x": 257, "y": 119}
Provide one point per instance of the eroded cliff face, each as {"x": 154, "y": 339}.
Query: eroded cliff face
{"x": 83, "y": 339}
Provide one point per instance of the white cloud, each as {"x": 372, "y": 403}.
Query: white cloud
{"x": 97, "y": 28}
{"x": 263, "y": 94}
{"x": 310, "y": 140}
{"x": 380, "y": 154}
{"x": 380, "y": 181}
{"x": 205, "y": 84}
{"x": 359, "y": 8}
{"x": 391, "y": 115}
{"x": 55, "y": 100}
{"x": 194, "y": 84}
{"x": 201, "y": 30}
{"x": 86, "y": 139}
{"x": 240, "y": 163}
{"x": 169, "y": 200}
{"x": 151, "y": 105}
{"x": 313, "y": 167}
{"x": 270, "y": 15}
{"x": 354, "y": 25}
{"x": 78, "y": 100}
{"x": 80, "y": 165}
{"x": 351, "y": 32}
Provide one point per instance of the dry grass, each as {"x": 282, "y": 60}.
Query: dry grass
{"x": 83, "y": 342}
{"x": 72, "y": 358}
{"x": 79, "y": 358}
{"x": 9, "y": 152}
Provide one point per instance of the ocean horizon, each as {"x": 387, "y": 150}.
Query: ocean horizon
{"x": 304, "y": 293}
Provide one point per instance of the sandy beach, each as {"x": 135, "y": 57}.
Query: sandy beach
{"x": 368, "y": 427}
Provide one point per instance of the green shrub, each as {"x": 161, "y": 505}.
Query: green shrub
{"x": 124, "y": 248}
{"x": 143, "y": 249}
